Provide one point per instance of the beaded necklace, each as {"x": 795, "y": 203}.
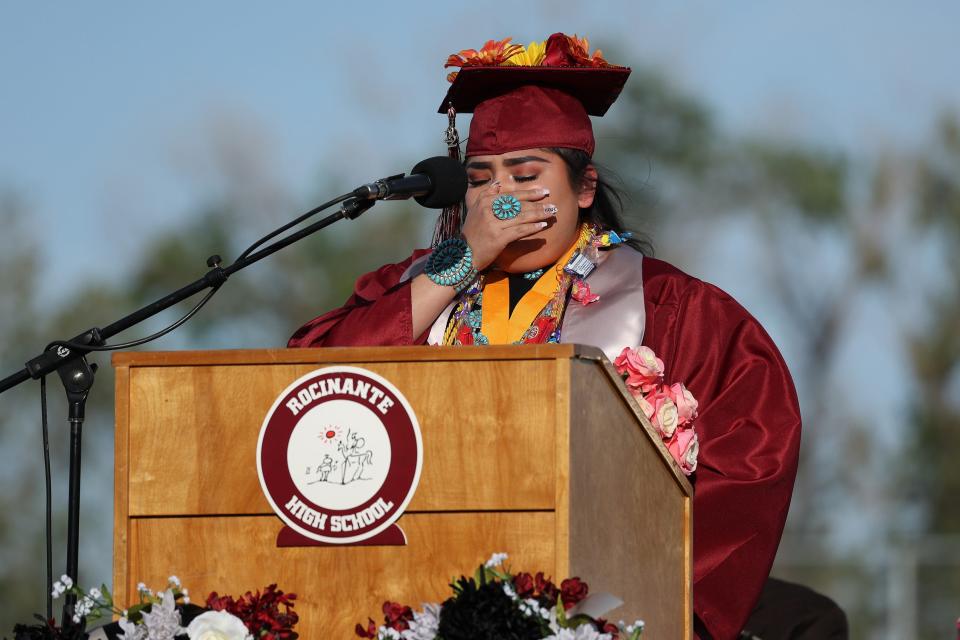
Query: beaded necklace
{"x": 533, "y": 275}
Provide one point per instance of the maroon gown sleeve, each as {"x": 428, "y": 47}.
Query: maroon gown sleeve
{"x": 749, "y": 433}
{"x": 378, "y": 313}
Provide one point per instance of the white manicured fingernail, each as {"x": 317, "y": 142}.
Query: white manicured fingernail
{"x": 542, "y": 224}
{"x": 550, "y": 208}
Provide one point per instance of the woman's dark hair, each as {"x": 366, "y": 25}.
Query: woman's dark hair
{"x": 607, "y": 209}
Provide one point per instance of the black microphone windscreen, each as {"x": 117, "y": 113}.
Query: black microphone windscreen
{"x": 449, "y": 180}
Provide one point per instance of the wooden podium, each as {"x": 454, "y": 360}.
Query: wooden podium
{"x": 537, "y": 451}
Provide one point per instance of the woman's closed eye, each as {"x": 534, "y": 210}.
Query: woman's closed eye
{"x": 479, "y": 182}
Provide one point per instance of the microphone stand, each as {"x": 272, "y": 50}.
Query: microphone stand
{"x": 68, "y": 357}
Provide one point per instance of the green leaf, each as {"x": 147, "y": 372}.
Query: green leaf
{"x": 561, "y": 614}
{"x": 134, "y": 612}
{"x": 577, "y": 620}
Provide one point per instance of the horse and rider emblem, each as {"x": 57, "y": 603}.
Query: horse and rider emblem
{"x": 353, "y": 457}
{"x": 339, "y": 455}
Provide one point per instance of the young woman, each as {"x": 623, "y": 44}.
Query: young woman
{"x": 540, "y": 257}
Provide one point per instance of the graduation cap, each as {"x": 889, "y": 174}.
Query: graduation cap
{"x": 539, "y": 96}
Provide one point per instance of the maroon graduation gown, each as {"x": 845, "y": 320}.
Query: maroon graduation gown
{"x": 748, "y": 424}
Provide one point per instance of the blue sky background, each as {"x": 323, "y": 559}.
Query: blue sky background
{"x": 107, "y": 109}
{"x": 101, "y": 100}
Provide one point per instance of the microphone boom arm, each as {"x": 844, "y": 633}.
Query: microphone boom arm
{"x": 63, "y": 352}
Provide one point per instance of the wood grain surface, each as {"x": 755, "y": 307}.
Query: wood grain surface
{"x": 630, "y": 532}
{"x": 337, "y": 587}
{"x": 538, "y": 451}
{"x": 193, "y": 434}
{"x": 329, "y": 355}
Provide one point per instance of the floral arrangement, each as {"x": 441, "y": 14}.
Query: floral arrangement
{"x": 671, "y": 409}
{"x": 497, "y": 605}
{"x": 161, "y": 615}
{"x": 559, "y": 50}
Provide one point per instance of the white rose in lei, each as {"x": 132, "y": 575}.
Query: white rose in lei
{"x": 217, "y": 625}
{"x": 666, "y": 418}
{"x": 650, "y": 360}
{"x": 690, "y": 455}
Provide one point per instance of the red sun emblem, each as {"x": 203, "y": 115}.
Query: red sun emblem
{"x": 330, "y": 434}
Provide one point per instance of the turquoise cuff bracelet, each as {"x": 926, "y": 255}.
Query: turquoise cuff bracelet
{"x": 451, "y": 264}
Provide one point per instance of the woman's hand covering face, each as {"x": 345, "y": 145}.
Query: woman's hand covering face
{"x": 488, "y": 236}
{"x": 549, "y": 215}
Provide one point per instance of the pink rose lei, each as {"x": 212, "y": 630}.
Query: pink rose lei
{"x": 671, "y": 409}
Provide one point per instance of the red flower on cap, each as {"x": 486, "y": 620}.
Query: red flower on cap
{"x": 571, "y": 51}
{"x": 561, "y": 51}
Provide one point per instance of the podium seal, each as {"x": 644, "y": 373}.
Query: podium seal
{"x": 339, "y": 458}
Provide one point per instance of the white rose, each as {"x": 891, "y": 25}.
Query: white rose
{"x": 667, "y": 418}
{"x": 690, "y": 456}
{"x": 217, "y": 625}
{"x": 650, "y": 360}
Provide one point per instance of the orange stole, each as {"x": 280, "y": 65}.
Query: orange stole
{"x": 497, "y": 323}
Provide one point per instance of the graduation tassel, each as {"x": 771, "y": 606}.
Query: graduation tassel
{"x": 448, "y": 224}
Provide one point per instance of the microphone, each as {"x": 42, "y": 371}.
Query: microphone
{"x": 434, "y": 183}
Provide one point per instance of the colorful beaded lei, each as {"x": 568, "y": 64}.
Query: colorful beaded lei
{"x": 465, "y": 324}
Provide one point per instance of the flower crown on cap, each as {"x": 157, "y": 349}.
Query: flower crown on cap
{"x": 560, "y": 50}
{"x": 561, "y": 62}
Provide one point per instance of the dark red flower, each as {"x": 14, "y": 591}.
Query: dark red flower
{"x": 572, "y": 591}
{"x": 261, "y": 613}
{"x": 607, "y": 627}
{"x": 397, "y": 616}
{"x": 369, "y": 632}
{"x": 545, "y": 590}
{"x": 523, "y": 585}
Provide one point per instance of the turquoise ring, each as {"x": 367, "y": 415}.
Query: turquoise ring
{"x": 506, "y": 207}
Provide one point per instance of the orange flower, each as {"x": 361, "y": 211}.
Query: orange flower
{"x": 581, "y": 44}
{"x": 580, "y": 50}
{"x": 493, "y": 54}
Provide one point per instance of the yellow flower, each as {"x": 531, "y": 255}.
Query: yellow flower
{"x": 531, "y": 56}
